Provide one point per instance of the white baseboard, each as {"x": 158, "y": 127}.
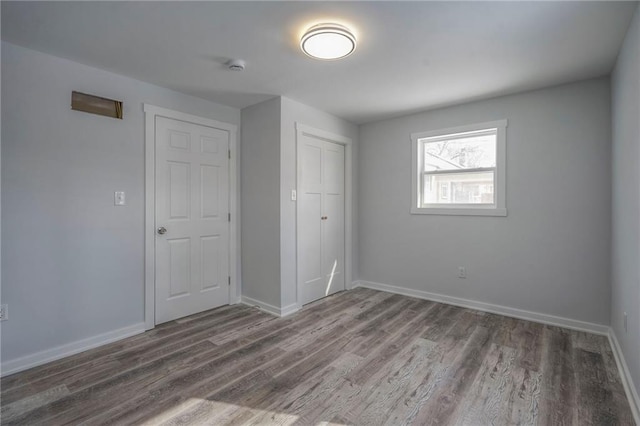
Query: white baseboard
{"x": 288, "y": 310}
{"x": 487, "y": 307}
{"x": 625, "y": 375}
{"x": 274, "y": 310}
{"x": 43, "y": 357}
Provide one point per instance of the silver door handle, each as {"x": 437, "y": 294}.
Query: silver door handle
{"x": 162, "y": 230}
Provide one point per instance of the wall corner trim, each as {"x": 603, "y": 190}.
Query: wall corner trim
{"x": 625, "y": 376}
{"x": 488, "y": 307}
{"x": 270, "y": 309}
{"x": 33, "y": 360}
{"x": 288, "y": 310}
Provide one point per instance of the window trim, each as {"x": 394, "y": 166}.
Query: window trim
{"x": 499, "y": 208}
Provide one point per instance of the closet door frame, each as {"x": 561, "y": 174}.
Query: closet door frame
{"x": 304, "y": 130}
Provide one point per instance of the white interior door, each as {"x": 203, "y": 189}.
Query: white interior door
{"x": 192, "y": 219}
{"x": 321, "y": 218}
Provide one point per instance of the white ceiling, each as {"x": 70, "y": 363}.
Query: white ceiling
{"x": 411, "y": 56}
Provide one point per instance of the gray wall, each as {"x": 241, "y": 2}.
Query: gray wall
{"x": 551, "y": 254}
{"x": 625, "y": 294}
{"x": 294, "y": 112}
{"x": 268, "y": 176}
{"x": 260, "y": 199}
{"x": 72, "y": 263}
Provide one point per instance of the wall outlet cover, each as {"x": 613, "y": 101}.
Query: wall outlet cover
{"x": 462, "y": 272}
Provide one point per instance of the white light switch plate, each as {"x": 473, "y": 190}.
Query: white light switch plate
{"x": 119, "y": 199}
{"x": 294, "y": 195}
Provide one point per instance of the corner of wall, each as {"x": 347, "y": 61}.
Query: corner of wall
{"x": 625, "y": 224}
{"x": 260, "y": 202}
{"x": 625, "y": 376}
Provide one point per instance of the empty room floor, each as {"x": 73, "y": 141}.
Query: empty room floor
{"x": 357, "y": 357}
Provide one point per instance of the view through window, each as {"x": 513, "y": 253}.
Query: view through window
{"x": 459, "y": 169}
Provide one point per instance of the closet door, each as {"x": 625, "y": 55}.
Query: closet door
{"x": 321, "y": 218}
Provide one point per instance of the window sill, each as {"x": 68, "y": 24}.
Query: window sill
{"x": 460, "y": 211}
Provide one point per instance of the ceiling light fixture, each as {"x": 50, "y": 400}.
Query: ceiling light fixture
{"x": 328, "y": 41}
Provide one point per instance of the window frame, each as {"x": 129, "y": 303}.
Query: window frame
{"x": 498, "y": 208}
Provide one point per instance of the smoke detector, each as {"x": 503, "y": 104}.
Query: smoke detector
{"x": 236, "y": 65}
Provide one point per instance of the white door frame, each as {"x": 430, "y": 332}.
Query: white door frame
{"x": 302, "y": 129}
{"x": 150, "y": 114}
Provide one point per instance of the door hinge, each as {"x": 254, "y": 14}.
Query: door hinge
{"x": 229, "y": 280}
{"x": 229, "y": 217}
{"x": 229, "y": 154}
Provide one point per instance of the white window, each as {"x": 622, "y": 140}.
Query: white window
{"x": 460, "y": 171}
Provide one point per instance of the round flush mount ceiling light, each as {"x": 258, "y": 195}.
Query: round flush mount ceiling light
{"x": 328, "y": 41}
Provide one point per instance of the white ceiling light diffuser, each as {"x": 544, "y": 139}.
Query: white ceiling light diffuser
{"x": 328, "y": 41}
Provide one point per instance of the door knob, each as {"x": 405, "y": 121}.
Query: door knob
{"x": 162, "y": 230}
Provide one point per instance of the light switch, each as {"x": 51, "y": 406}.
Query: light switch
{"x": 294, "y": 195}
{"x": 119, "y": 199}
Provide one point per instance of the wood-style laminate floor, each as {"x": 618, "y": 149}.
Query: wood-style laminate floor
{"x": 358, "y": 357}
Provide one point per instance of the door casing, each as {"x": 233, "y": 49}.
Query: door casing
{"x": 151, "y": 112}
{"x": 301, "y": 130}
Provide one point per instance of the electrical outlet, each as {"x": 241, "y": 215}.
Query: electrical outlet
{"x": 4, "y": 312}
{"x": 462, "y": 272}
{"x": 624, "y": 316}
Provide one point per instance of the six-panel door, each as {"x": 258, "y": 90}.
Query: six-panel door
{"x": 192, "y": 204}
